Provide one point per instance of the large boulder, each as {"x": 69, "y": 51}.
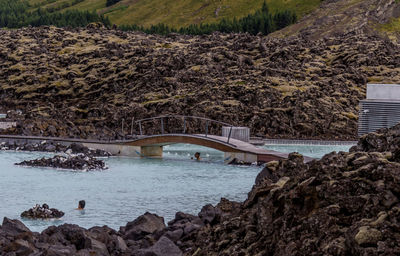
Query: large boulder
{"x": 209, "y": 214}
{"x": 145, "y": 224}
{"x": 68, "y": 233}
{"x": 163, "y": 247}
{"x": 20, "y": 247}
{"x": 60, "y": 250}
{"x": 183, "y": 224}
{"x": 13, "y": 227}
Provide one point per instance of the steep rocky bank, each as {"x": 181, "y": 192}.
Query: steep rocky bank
{"x": 85, "y": 82}
{"x": 343, "y": 204}
{"x": 382, "y": 140}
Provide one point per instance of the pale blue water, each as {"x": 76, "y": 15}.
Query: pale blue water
{"x": 314, "y": 151}
{"x": 128, "y": 189}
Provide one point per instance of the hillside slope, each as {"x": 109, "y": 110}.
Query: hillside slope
{"x": 84, "y": 82}
{"x": 340, "y": 17}
{"x": 178, "y": 13}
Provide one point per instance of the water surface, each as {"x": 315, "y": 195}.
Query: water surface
{"x": 131, "y": 186}
{"x": 128, "y": 189}
{"x": 314, "y": 151}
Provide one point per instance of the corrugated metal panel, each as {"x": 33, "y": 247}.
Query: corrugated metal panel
{"x": 374, "y": 115}
{"x": 239, "y": 133}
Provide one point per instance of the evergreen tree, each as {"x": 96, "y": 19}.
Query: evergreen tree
{"x": 15, "y": 14}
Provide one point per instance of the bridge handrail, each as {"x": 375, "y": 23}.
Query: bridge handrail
{"x": 183, "y": 116}
{"x": 139, "y": 122}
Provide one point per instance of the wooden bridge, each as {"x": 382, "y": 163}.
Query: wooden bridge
{"x": 151, "y": 145}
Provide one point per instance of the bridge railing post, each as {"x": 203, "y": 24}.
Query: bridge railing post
{"x": 206, "y": 128}
{"x": 140, "y": 128}
{"x": 122, "y": 128}
{"x": 162, "y": 125}
{"x": 132, "y": 126}
{"x": 184, "y": 125}
{"x": 229, "y": 135}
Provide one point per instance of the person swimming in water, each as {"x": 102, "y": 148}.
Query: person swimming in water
{"x": 81, "y": 205}
{"x": 197, "y": 156}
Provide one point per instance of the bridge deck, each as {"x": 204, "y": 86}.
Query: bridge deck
{"x": 212, "y": 141}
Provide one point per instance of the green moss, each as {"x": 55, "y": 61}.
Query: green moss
{"x": 61, "y": 84}
{"x": 31, "y": 96}
{"x": 18, "y": 67}
{"x": 154, "y": 101}
{"x": 350, "y": 115}
{"x": 231, "y": 103}
{"x": 392, "y": 26}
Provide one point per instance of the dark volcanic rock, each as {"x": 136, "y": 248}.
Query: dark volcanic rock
{"x": 77, "y": 162}
{"x": 144, "y": 225}
{"x": 163, "y": 247}
{"x": 50, "y": 146}
{"x": 42, "y": 212}
{"x": 209, "y": 214}
{"x": 13, "y": 227}
{"x": 343, "y": 204}
{"x": 95, "y": 81}
{"x": 68, "y": 233}
{"x": 383, "y": 140}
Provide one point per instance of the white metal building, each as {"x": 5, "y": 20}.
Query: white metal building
{"x": 381, "y": 109}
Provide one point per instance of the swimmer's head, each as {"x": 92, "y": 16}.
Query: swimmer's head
{"x": 81, "y": 204}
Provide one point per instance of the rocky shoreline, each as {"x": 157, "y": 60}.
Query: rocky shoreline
{"x": 342, "y": 204}
{"x": 52, "y": 147}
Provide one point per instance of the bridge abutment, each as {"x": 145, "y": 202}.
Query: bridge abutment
{"x": 151, "y": 151}
{"x": 116, "y": 149}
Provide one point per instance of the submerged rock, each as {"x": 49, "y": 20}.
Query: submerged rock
{"x": 76, "y": 162}
{"x": 42, "y": 212}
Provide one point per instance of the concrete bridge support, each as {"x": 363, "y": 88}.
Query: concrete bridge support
{"x": 116, "y": 149}
{"x": 127, "y": 150}
{"x": 151, "y": 151}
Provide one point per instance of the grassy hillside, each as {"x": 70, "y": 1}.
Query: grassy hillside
{"x": 338, "y": 17}
{"x": 179, "y": 13}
